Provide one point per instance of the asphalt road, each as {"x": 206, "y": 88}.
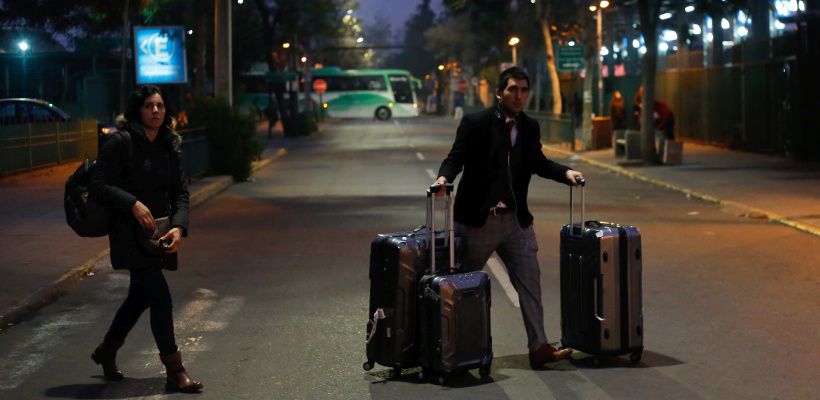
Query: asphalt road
{"x": 272, "y": 292}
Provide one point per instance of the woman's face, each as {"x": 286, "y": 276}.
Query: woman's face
{"x": 152, "y": 112}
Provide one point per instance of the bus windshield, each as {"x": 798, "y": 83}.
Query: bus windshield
{"x": 401, "y": 88}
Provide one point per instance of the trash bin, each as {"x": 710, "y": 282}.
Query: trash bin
{"x": 601, "y": 133}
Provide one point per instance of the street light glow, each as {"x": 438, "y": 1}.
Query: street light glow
{"x": 23, "y": 45}
{"x": 303, "y": 59}
{"x": 190, "y": 31}
{"x": 636, "y": 43}
{"x": 689, "y": 9}
{"x": 742, "y": 31}
{"x": 286, "y": 45}
{"x": 441, "y": 67}
{"x": 695, "y": 29}
{"x": 349, "y": 12}
{"x": 642, "y": 50}
{"x": 670, "y": 35}
{"x": 604, "y": 4}
{"x": 514, "y": 40}
{"x": 665, "y": 16}
{"x": 593, "y": 8}
{"x": 571, "y": 43}
{"x": 359, "y": 40}
{"x": 724, "y": 23}
{"x": 663, "y": 46}
{"x": 604, "y": 51}
{"x": 240, "y": 1}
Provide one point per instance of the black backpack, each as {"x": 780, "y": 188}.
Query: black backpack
{"x": 87, "y": 216}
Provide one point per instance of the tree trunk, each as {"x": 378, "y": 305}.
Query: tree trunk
{"x": 554, "y": 82}
{"x": 124, "y": 55}
{"x": 649, "y": 10}
{"x": 201, "y": 40}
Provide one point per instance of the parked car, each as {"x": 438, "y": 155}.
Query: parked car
{"x": 23, "y": 111}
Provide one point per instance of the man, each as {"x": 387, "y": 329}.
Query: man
{"x": 499, "y": 149}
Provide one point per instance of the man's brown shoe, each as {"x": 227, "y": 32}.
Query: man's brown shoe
{"x": 547, "y": 354}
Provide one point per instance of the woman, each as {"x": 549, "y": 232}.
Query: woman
{"x": 617, "y": 112}
{"x": 139, "y": 174}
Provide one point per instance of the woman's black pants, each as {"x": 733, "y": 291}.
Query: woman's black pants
{"x": 148, "y": 289}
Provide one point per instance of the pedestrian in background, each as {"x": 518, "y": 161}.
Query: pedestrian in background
{"x": 617, "y": 112}
{"x": 499, "y": 149}
{"x": 139, "y": 175}
{"x": 662, "y": 115}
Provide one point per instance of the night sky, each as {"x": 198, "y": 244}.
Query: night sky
{"x": 396, "y": 11}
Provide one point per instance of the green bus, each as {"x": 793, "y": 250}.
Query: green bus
{"x": 355, "y": 93}
{"x": 367, "y": 93}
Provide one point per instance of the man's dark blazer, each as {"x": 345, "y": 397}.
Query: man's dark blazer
{"x": 480, "y": 140}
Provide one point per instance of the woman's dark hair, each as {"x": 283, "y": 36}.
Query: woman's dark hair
{"x": 512, "y": 72}
{"x": 137, "y": 99}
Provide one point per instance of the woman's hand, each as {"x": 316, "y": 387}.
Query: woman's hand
{"x": 172, "y": 240}
{"x": 143, "y": 216}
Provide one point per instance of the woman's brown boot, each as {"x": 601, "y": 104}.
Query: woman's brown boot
{"x": 177, "y": 379}
{"x": 106, "y": 355}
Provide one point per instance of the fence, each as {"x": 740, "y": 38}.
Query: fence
{"x": 28, "y": 146}
{"x": 196, "y": 151}
{"x": 555, "y": 129}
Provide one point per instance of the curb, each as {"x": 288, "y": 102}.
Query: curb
{"x": 770, "y": 215}
{"x": 54, "y": 289}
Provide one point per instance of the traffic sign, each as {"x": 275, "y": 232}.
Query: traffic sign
{"x": 570, "y": 58}
{"x": 319, "y": 86}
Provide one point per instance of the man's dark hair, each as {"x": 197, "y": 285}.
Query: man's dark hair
{"x": 137, "y": 99}
{"x": 512, "y": 72}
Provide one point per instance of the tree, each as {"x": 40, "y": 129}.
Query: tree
{"x": 378, "y": 33}
{"x": 415, "y": 57}
{"x": 649, "y": 11}
{"x": 553, "y": 71}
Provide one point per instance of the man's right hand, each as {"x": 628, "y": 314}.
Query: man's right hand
{"x": 143, "y": 216}
{"x": 441, "y": 181}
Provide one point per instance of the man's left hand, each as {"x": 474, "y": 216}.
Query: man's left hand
{"x": 572, "y": 176}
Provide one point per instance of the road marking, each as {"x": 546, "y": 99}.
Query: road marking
{"x": 420, "y": 156}
{"x": 31, "y": 355}
{"x": 431, "y": 174}
{"x": 500, "y": 272}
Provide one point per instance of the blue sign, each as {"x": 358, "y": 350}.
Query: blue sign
{"x": 160, "y": 54}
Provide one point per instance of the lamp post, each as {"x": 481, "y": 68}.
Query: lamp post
{"x": 24, "y": 48}
{"x": 513, "y": 42}
{"x": 598, "y": 9}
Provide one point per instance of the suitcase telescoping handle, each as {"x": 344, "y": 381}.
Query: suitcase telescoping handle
{"x": 582, "y": 182}
{"x": 448, "y": 218}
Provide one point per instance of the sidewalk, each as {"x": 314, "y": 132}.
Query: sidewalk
{"x": 41, "y": 256}
{"x": 785, "y": 191}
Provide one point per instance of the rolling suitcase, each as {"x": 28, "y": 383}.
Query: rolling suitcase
{"x": 397, "y": 262}
{"x": 601, "y": 309}
{"x": 454, "y": 314}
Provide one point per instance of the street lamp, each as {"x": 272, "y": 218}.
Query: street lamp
{"x": 513, "y": 42}
{"x": 24, "y": 48}
{"x": 598, "y": 9}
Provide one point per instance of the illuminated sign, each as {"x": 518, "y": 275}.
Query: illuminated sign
{"x": 160, "y": 54}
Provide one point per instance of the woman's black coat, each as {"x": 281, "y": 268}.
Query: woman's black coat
{"x": 151, "y": 173}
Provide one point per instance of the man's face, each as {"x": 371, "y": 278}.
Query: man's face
{"x": 514, "y": 95}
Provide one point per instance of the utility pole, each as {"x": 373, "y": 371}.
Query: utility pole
{"x": 223, "y": 71}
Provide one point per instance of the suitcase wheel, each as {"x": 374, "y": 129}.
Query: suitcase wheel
{"x": 442, "y": 380}
{"x": 635, "y": 357}
{"x": 368, "y": 365}
{"x": 394, "y": 373}
{"x": 484, "y": 372}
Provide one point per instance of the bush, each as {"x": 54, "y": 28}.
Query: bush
{"x": 306, "y": 123}
{"x": 231, "y": 134}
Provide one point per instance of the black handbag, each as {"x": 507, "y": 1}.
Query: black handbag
{"x": 149, "y": 241}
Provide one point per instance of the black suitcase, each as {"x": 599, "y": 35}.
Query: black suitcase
{"x": 454, "y": 317}
{"x": 601, "y": 309}
{"x": 397, "y": 262}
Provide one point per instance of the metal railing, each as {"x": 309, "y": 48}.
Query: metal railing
{"x": 196, "y": 151}
{"x": 24, "y": 147}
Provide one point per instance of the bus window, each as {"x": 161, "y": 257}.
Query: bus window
{"x": 370, "y": 83}
{"x": 401, "y": 89}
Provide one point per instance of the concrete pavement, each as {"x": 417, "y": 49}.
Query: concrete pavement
{"x": 751, "y": 185}
{"x": 42, "y": 257}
